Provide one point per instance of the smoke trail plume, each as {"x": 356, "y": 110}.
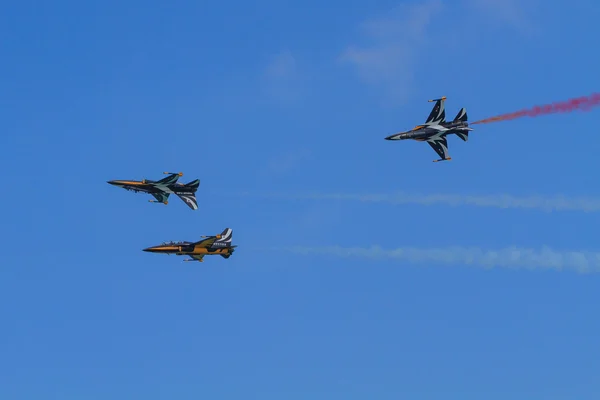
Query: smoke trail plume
{"x": 510, "y": 257}
{"x": 584, "y": 103}
{"x": 555, "y": 203}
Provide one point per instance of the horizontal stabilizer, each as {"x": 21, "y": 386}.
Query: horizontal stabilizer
{"x": 193, "y": 185}
{"x": 461, "y": 116}
{"x": 464, "y": 135}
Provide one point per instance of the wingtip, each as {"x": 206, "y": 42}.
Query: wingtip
{"x": 441, "y": 98}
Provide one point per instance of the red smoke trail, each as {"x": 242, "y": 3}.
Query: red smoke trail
{"x": 584, "y": 103}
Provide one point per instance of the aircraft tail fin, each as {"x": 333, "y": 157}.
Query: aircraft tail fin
{"x": 225, "y": 236}
{"x": 189, "y": 199}
{"x": 188, "y": 194}
{"x": 461, "y": 116}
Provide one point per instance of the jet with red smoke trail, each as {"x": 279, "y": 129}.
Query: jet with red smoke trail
{"x": 435, "y": 129}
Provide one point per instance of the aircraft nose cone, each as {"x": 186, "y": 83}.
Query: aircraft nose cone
{"x": 155, "y": 249}
{"x": 397, "y": 136}
{"x": 115, "y": 183}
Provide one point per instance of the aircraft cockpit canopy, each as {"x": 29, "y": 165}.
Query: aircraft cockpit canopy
{"x": 171, "y": 243}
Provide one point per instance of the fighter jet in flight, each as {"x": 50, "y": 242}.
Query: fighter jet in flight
{"x": 163, "y": 188}
{"x": 211, "y": 245}
{"x": 435, "y": 129}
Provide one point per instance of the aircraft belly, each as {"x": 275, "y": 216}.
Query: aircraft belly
{"x": 209, "y": 251}
{"x": 437, "y": 128}
{"x": 423, "y": 133}
{"x": 134, "y": 188}
{"x": 424, "y": 136}
{"x": 164, "y": 189}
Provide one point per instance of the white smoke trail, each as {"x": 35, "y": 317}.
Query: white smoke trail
{"x": 510, "y": 257}
{"x": 555, "y": 203}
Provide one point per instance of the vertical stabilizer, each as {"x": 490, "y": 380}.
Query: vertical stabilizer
{"x": 188, "y": 198}
{"x": 226, "y": 236}
{"x": 461, "y": 116}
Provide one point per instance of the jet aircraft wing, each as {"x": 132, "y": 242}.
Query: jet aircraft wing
{"x": 207, "y": 242}
{"x": 169, "y": 180}
{"x": 160, "y": 197}
{"x": 438, "y": 113}
{"x": 440, "y": 145}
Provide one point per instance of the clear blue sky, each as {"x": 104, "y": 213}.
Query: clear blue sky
{"x": 291, "y": 97}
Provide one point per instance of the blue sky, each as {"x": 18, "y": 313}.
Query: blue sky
{"x": 294, "y": 99}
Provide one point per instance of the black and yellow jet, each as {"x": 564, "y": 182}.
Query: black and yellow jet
{"x": 163, "y": 188}
{"x": 211, "y": 245}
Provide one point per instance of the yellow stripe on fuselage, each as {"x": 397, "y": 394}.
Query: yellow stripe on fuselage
{"x": 131, "y": 183}
{"x": 203, "y": 250}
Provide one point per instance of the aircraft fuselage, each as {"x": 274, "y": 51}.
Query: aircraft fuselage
{"x": 185, "y": 248}
{"x": 151, "y": 187}
{"x": 424, "y": 132}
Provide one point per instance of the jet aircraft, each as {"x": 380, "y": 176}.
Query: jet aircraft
{"x": 210, "y": 245}
{"x": 163, "y": 188}
{"x": 435, "y": 129}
